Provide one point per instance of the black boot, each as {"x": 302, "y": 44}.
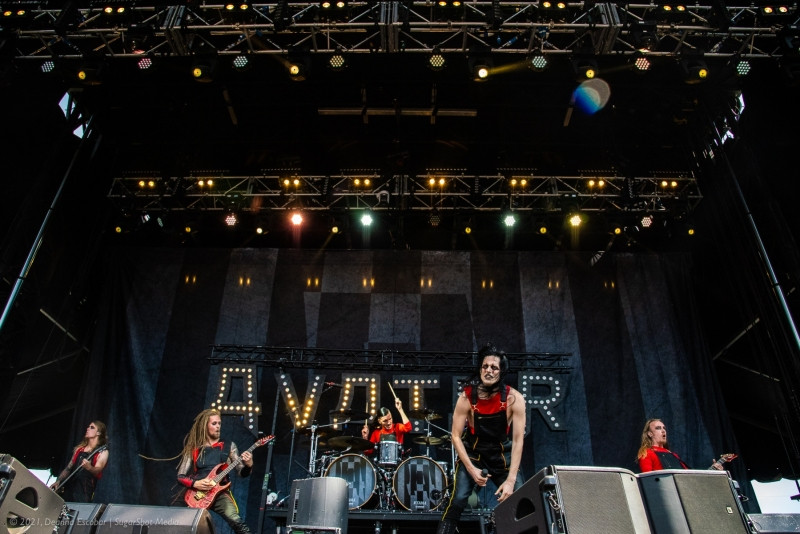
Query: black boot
{"x": 447, "y": 527}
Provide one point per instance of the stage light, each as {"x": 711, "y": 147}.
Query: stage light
{"x": 646, "y": 221}
{"x": 695, "y": 70}
{"x": 203, "y": 69}
{"x": 240, "y": 62}
{"x": 585, "y": 69}
{"x": 743, "y": 67}
{"x": 480, "y": 73}
{"x": 641, "y": 63}
{"x": 298, "y": 69}
{"x": 509, "y": 220}
{"x": 231, "y": 219}
{"x": 436, "y": 60}
{"x": 90, "y": 73}
{"x": 144, "y": 63}
{"x": 537, "y": 62}
{"x": 296, "y": 218}
{"x": 366, "y": 219}
{"x": 434, "y": 219}
{"x": 575, "y": 220}
{"x": 337, "y": 61}
{"x": 48, "y": 66}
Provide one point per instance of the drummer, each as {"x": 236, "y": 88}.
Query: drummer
{"x": 387, "y": 429}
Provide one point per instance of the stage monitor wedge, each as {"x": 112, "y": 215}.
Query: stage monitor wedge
{"x": 141, "y": 519}
{"x": 575, "y": 500}
{"x": 692, "y": 501}
{"x": 27, "y": 505}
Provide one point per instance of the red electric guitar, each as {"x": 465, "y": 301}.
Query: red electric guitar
{"x": 203, "y": 499}
{"x": 725, "y": 458}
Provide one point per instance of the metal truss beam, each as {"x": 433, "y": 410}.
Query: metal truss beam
{"x": 399, "y": 26}
{"x": 379, "y": 360}
{"x": 443, "y": 191}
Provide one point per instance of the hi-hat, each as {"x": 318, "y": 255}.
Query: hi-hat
{"x": 428, "y": 440}
{"x": 430, "y": 415}
{"x": 352, "y": 443}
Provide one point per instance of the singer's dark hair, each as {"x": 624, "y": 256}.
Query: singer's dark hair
{"x": 384, "y": 411}
{"x": 490, "y": 349}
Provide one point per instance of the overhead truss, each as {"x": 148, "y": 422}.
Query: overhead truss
{"x": 379, "y": 360}
{"x": 501, "y": 27}
{"x": 599, "y": 192}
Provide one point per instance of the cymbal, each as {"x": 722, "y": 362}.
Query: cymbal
{"x": 428, "y": 440}
{"x": 430, "y": 415}
{"x": 321, "y": 432}
{"x": 350, "y": 414}
{"x": 352, "y": 443}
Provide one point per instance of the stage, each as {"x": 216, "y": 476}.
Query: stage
{"x": 397, "y": 521}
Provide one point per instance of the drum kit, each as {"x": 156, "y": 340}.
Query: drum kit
{"x": 377, "y": 474}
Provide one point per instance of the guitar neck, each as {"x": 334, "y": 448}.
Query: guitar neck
{"x": 222, "y": 474}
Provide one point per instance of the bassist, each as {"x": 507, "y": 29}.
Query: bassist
{"x": 202, "y": 452}
{"x": 78, "y": 480}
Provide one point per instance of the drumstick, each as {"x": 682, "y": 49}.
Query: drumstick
{"x": 393, "y": 393}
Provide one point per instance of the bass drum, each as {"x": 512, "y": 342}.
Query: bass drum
{"x": 419, "y": 484}
{"x": 359, "y": 473}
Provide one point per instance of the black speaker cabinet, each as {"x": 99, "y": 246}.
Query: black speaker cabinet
{"x": 692, "y": 501}
{"x": 83, "y": 518}
{"x": 318, "y": 505}
{"x": 775, "y": 523}
{"x": 574, "y": 500}
{"x": 27, "y": 505}
{"x": 131, "y": 519}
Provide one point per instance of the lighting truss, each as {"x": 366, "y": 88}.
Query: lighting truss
{"x": 408, "y": 26}
{"x": 450, "y": 192}
{"x": 378, "y": 360}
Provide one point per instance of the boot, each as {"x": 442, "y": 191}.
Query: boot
{"x": 447, "y": 527}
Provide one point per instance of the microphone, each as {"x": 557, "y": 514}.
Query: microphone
{"x": 333, "y": 385}
{"x": 484, "y": 472}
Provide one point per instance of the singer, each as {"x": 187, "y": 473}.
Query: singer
{"x": 485, "y": 414}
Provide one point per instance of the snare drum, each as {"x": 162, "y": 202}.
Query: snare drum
{"x": 359, "y": 473}
{"x": 389, "y": 453}
{"x": 419, "y": 484}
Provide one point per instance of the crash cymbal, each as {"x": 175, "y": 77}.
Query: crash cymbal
{"x": 428, "y": 440}
{"x": 430, "y": 415}
{"x": 352, "y": 443}
{"x": 349, "y": 414}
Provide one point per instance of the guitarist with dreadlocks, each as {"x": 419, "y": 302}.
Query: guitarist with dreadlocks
{"x": 202, "y": 452}
{"x": 488, "y": 429}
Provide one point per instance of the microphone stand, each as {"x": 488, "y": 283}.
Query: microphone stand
{"x": 452, "y": 449}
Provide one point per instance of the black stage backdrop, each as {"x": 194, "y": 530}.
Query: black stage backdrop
{"x": 628, "y": 324}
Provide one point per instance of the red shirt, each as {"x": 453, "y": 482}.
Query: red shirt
{"x": 652, "y": 462}
{"x": 398, "y": 430}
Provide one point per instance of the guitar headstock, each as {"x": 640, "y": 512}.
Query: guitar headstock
{"x": 727, "y": 457}
{"x": 264, "y": 440}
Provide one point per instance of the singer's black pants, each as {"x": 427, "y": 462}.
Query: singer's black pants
{"x": 497, "y": 466}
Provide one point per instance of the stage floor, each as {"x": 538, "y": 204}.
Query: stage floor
{"x": 398, "y": 521}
